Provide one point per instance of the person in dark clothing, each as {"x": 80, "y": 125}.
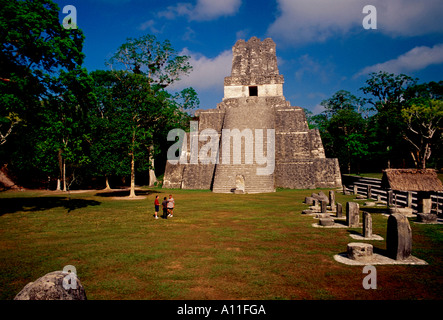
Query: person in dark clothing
{"x": 165, "y": 208}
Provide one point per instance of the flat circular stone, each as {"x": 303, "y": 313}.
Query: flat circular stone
{"x": 326, "y": 222}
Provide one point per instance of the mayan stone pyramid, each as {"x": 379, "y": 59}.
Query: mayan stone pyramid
{"x": 253, "y": 99}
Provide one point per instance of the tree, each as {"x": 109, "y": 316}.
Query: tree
{"x": 144, "y": 67}
{"x": 34, "y": 47}
{"x": 107, "y": 146}
{"x": 347, "y": 127}
{"x": 343, "y": 129}
{"x": 344, "y": 100}
{"x": 423, "y": 121}
{"x": 425, "y": 95}
{"x": 387, "y": 93}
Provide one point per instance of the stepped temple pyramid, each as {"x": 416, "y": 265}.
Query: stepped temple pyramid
{"x": 254, "y": 106}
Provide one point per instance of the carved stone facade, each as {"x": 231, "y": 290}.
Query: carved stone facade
{"x": 253, "y": 99}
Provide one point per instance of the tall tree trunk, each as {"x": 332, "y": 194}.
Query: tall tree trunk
{"x": 388, "y": 149}
{"x": 60, "y": 166}
{"x": 349, "y": 161}
{"x": 132, "y": 192}
{"x": 152, "y": 177}
{"x": 426, "y": 155}
{"x": 64, "y": 176}
{"x": 108, "y": 187}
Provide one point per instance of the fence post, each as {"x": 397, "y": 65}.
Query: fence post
{"x": 390, "y": 197}
{"x": 409, "y": 200}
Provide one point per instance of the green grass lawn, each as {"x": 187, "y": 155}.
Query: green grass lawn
{"x": 217, "y": 246}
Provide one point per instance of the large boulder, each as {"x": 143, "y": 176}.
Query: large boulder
{"x": 52, "y": 287}
{"x": 320, "y": 196}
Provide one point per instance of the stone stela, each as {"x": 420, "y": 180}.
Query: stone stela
{"x": 253, "y": 99}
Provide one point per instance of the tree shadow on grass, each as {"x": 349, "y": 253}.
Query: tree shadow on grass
{"x": 339, "y": 221}
{"x": 375, "y": 210}
{"x": 124, "y": 193}
{"x": 355, "y": 232}
{"x": 33, "y": 204}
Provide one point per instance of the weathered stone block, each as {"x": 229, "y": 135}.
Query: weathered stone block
{"x": 326, "y": 222}
{"x": 405, "y": 211}
{"x": 339, "y": 210}
{"x": 320, "y": 196}
{"x": 331, "y": 198}
{"x": 50, "y": 287}
{"x": 323, "y": 204}
{"x": 424, "y": 205}
{"x": 399, "y": 237}
{"x": 240, "y": 184}
{"x": 360, "y": 251}
{"x": 426, "y": 217}
{"x": 352, "y": 214}
{"x": 309, "y": 201}
{"x": 367, "y": 225}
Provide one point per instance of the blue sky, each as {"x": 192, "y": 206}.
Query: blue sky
{"x": 322, "y": 46}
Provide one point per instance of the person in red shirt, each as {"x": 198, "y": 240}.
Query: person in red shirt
{"x": 157, "y": 206}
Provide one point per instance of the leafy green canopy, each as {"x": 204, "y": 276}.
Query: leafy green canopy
{"x": 398, "y": 121}
{"x": 134, "y": 111}
{"x": 34, "y": 47}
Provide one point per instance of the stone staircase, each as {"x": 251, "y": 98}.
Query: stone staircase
{"x": 246, "y": 115}
{"x": 226, "y": 175}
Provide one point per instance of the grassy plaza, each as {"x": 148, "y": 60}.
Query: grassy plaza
{"x": 216, "y": 247}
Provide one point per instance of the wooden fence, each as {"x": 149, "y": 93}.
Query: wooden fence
{"x": 371, "y": 188}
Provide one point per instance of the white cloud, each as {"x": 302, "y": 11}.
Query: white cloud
{"x": 149, "y": 25}
{"x": 207, "y": 73}
{"x": 306, "y": 21}
{"x": 318, "y": 109}
{"x": 203, "y": 9}
{"x": 189, "y": 34}
{"x": 409, "y": 17}
{"x": 416, "y": 59}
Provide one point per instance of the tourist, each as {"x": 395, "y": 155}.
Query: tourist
{"x": 157, "y": 206}
{"x": 165, "y": 208}
{"x": 171, "y": 206}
